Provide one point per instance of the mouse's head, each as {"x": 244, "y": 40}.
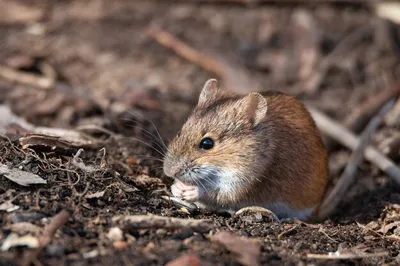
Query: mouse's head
{"x": 217, "y": 144}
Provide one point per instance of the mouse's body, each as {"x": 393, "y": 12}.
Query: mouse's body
{"x": 253, "y": 150}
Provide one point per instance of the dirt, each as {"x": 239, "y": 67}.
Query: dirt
{"x": 110, "y": 74}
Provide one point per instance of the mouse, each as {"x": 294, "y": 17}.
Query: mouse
{"x": 260, "y": 149}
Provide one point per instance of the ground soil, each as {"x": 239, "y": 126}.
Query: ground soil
{"x": 110, "y": 74}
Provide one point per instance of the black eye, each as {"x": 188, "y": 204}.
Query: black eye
{"x": 206, "y": 144}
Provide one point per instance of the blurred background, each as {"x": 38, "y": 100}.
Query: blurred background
{"x": 101, "y": 59}
{"x": 122, "y": 65}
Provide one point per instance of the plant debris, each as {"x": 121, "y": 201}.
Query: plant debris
{"x": 92, "y": 91}
{"x": 246, "y": 249}
{"x": 154, "y": 221}
{"x": 20, "y": 177}
{"x": 13, "y": 240}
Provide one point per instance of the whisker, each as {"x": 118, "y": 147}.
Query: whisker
{"x": 158, "y": 133}
{"x": 144, "y": 157}
{"x": 194, "y": 179}
{"x": 147, "y": 134}
{"x": 158, "y": 172}
{"x": 205, "y": 189}
{"x": 206, "y": 176}
{"x": 210, "y": 181}
{"x": 148, "y": 145}
{"x": 203, "y": 177}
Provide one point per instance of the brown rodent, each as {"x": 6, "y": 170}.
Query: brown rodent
{"x": 260, "y": 149}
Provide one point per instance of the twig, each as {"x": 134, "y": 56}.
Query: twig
{"x": 42, "y": 82}
{"x": 259, "y": 2}
{"x": 348, "y": 176}
{"x": 359, "y": 118}
{"x": 391, "y": 147}
{"x": 182, "y": 49}
{"x": 326, "y": 63}
{"x": 349, "y": 140}
{"x": 321, "y": 230}
{"x": 257, "y": 209}
{"x": 191, "y": 207}
{"x": 292, "y": 229}
{"x": 77, "y": 162}
{"x": 56, "y": 223}
{"x": 155, "y": 221}
{"x": 346, "y": 256}
{"x": 233, "y": 77}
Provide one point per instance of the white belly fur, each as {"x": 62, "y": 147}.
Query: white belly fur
{"x": 281, "y": 210}
{"x": 284, "y": 211}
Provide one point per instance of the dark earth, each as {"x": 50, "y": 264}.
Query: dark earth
{"x": 113, "y": 81}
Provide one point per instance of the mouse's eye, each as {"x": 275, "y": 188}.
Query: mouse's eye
{"x": 206, "y": 144}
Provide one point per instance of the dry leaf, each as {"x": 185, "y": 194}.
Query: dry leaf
{"x": 43, "y": 137}
{"x": 392, "y": 213}
{"x": 247, "y": 250}
{"x": 13, "y": 240}
{"x": 99, "y": 194}
{"x": 387, "y": 227}
{"x": 372, "y": 225}
{"x": 21, "y": 177}
{"x": 57, "y": 138}
{"x": 8, "y": 206}
{"x": 8, "y": 119}
{"x": 25, "y": 228}
{"x": 389, "y": 10}
{"x": 185, "y": 260}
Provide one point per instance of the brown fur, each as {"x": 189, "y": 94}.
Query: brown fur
{"x": 280, "y": 159}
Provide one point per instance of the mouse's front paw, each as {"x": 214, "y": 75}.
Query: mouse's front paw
{"x": 186, "y": 192}
{"x": 192, "y": 193}
{"x": 177, "y": 189}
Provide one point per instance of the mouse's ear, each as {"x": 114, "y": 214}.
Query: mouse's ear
{"x": 210, "y": 93}
{"x": 255, "y": 107}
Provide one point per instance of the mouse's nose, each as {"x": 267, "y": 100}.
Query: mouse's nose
{"x": 173, "y": 172}
{"x": 172, "y": 169}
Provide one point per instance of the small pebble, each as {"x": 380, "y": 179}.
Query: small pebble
{"x": 183, "y": 233}
{"x": 121, "y": 245}
{"x": 258, "y": 217}
{"x": 187, "y": 260}
{"x": 161, "y": 232}
{"x": 115, "y": 234}
{"x": 55, "y": 251}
